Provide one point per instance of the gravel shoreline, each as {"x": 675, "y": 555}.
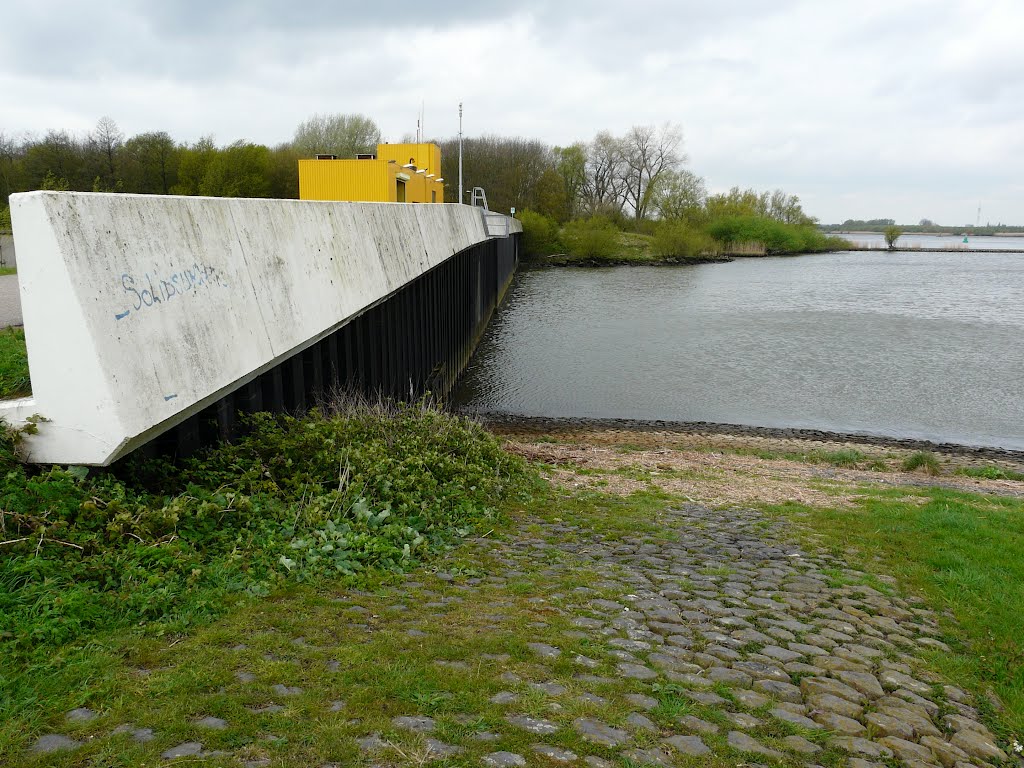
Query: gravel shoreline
{"x": 503, "y": 422}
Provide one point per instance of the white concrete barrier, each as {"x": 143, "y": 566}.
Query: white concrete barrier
{"x": 141, "y": 310}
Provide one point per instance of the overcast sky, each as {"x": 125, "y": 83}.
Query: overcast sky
{"x": 863, "y": 108}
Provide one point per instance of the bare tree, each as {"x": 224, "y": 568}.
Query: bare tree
{"x": 604, "y": 189}
{"x": 649, "y": 153}
{"x": 108, "y": 140}
{"x": 341, "y": 135}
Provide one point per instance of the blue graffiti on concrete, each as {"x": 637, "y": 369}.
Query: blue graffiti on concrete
{"x": 153, "y": 289}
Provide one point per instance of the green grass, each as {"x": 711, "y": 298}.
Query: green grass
{"x": 922, "y": 460}
{"x": 963, "y": 552}
{"x": 991, "y": 473}
{"x": 14, "y": 378}
{"x": 8, "y": 271}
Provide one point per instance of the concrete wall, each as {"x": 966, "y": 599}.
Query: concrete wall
{"x": 8, "y": 258}
{"x": 141, "y": 310}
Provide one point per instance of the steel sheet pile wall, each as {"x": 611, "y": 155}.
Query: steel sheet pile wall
{"x": 143, "y": 313}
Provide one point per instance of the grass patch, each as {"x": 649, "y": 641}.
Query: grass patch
{"x": 8, "y": 271}
{"x": 991, "y": 473}
{"x": 922, "y": 460}
{"x": 963, "y": 552}
{"x": 14, "y": 378}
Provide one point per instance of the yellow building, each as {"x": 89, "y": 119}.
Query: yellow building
{"x": 397, "y": 173}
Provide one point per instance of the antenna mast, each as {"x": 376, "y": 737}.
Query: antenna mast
{"x": 460, "y": 151}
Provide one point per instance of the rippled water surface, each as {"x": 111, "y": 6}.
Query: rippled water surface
{"x": 918, "y": 345}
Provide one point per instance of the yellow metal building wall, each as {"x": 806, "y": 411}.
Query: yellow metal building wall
{"x": 423, "y": 155}
{"x": 374, "y": 180}
{"x": 344, "y": 180}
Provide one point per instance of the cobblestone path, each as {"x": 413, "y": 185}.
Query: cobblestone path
{"x": 712, "y": 640}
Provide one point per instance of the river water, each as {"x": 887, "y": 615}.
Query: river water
{"x": 920, "y": 345}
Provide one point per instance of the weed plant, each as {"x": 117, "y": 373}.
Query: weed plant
{"x": 166, "y": 545}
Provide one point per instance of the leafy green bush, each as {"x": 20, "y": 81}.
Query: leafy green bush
{"x": 14, "y": 380}
{"x": 595, "y": 238}
{"x": 676, "y": 239}
{"x": 922, "y": 460}
{"x": 325, "y": 496}
{"x": 5, "y": 219}
{"x": 776, "y": 237}
{"x": 540, "y": 234}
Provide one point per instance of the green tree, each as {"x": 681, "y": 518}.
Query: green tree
{"x": 58, "y": 155}
{"x": 571, "y": 164}
{"x": 192, "y": 167}
{"x": 150, "y": 163}
{"x": 892, "y": 234}
{"x": 241, "y": 169}
{"x": 682, "y": 197}
{"x": 550, "y": 197}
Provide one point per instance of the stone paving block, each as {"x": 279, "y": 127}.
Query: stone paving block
{"x": 80, "y": 715}
{"x": 555, "y": 754}
{"x": 846, "y": 726}
{"x": 744, "y": 743}
{"x": 688, "y": 745}
{"x": 416, "y": 723}
{"x": 641, "y": 701}
{"x": 859, "y": 746}
{"x": 536, "y": 725}
{"x": 504, "y": 760}
{"x": 600, "y": 733}
{"x": 185, "y": 749}
{"x": 801, "y": 745}
{"x": 977, "y": 745}
{"x": 54, "y": 742}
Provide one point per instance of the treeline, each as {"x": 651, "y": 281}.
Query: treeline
{"x": 636, "y": 181}
{"x": 638, "y": 176}
{"x": 925, "y": 226}
{"x": 104, "y": 160}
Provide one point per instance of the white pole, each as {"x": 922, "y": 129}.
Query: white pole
{"x": 460, "y": 151}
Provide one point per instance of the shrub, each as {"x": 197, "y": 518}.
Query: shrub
{"x": 922, "y": 460}
{"x": 676, "y": 239}
{"x": 297, "y": 499}
{"x": 776, "y": 237}
{"x": 595, "y": 238}
{"x": 540, "y": 234}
